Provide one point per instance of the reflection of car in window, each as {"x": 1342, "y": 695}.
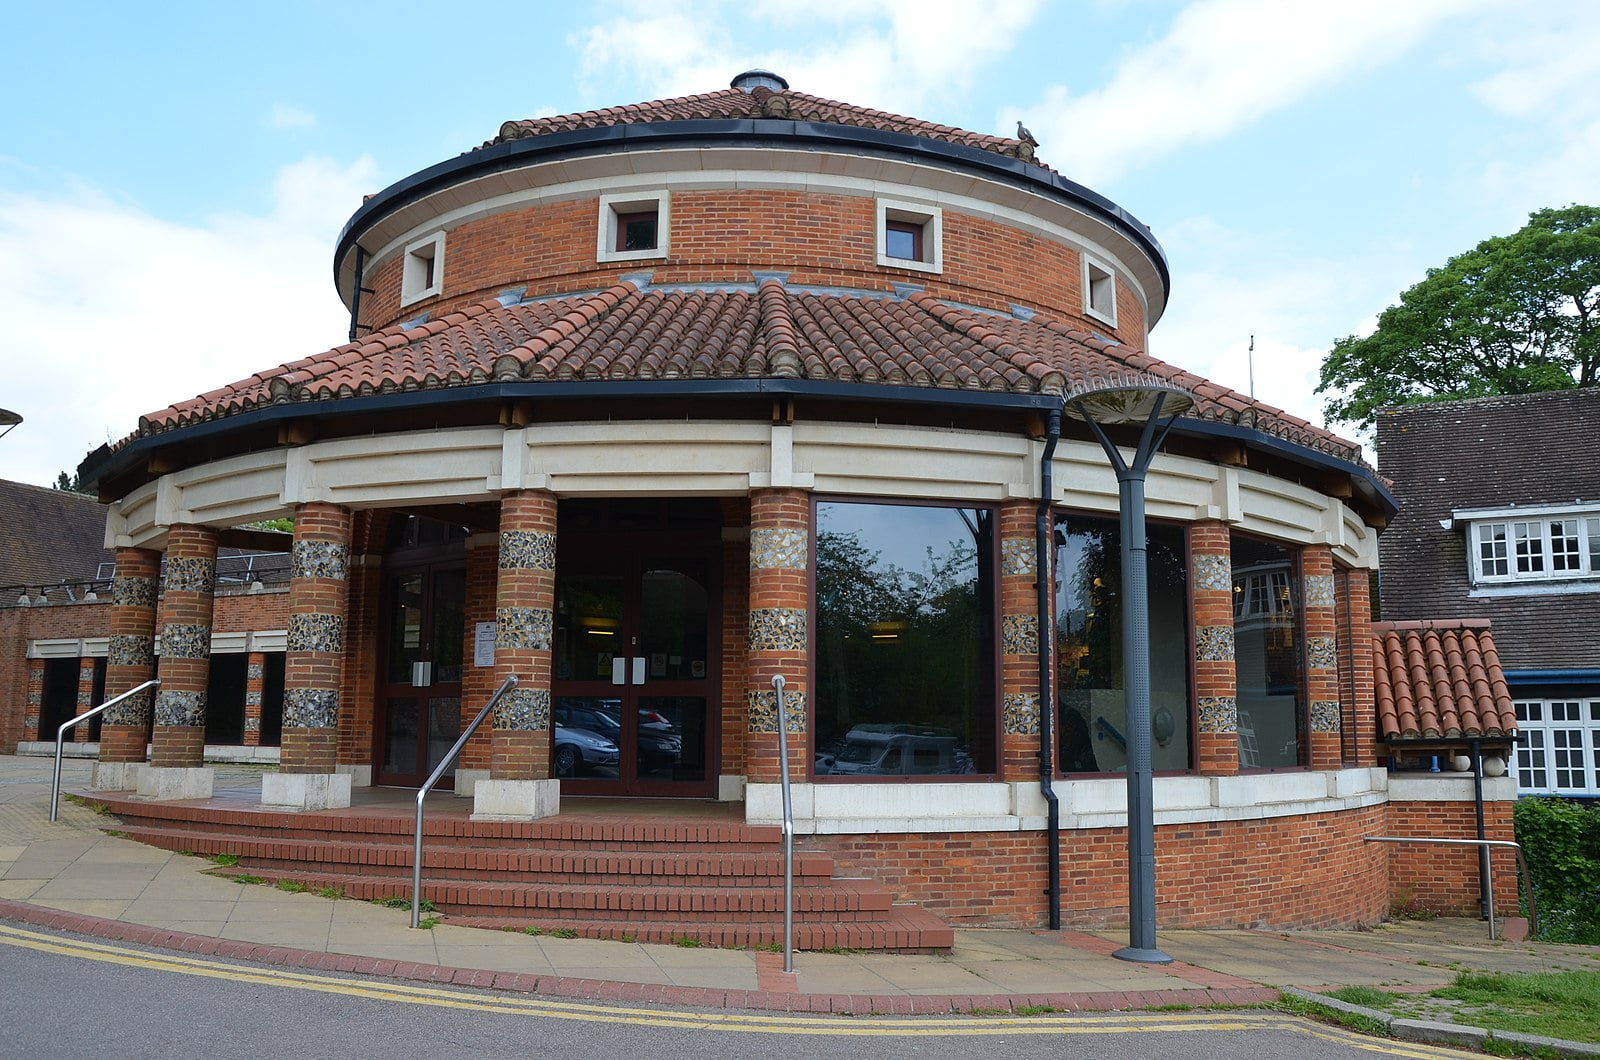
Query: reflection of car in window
{"x": 657, "y": 746}
{"x": 579, "y": 749}
{"x": 894, "y": 750}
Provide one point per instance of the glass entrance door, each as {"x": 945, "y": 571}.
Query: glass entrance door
{"x": 636, "y": 674}
{"x": 419, "y": 702}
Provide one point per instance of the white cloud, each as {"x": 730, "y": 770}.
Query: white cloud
{"x": 891, "y": 54}
{"x": 1223, "y": 64}
{"x": 285, "y": 116}
{"x": 112, "y": 312}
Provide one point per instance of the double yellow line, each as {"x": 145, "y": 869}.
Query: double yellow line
{"x": 744, "y": 1023}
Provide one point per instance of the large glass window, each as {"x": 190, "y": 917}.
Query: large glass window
{"x": 1559, "y": 749}
{"x": 1093, "y": 727}
{"x": 905, "y": 652}
{"x": 1268, "y": 642}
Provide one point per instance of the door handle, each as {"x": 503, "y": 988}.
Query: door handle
{"x": 638, "y": 669}
{"x": 619, "y": 670}
{"x": 421, "y": 674}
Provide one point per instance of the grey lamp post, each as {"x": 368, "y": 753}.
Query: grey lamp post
{"x": 1152, "y": 405}
{"x": 8, "y": 420}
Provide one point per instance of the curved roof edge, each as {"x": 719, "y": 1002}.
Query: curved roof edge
{"x": 515, "y": 154}
{"x": 106, "y": 461}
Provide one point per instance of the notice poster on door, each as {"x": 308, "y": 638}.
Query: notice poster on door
{"x": 483, "y": 644}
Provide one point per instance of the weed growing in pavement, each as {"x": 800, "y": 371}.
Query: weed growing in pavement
{"x": 1312, "y": 1010}
{"x": 625, "y": 937}
{"x": 1365, "y": 996}
{"x": 227, "y": 861}
{"x": 533, "y": 929}
{"x": 330, "y": 892}
{"x": 428, "y": 922}
{"x": 688, "y": 942}
{"x": 1175, "y": 1007}
{"x": 1034, "y": 1010}
{"x": 987, "y": 1012}
{"x": 251, "y": 880}
{"x": 292, "y": 886}
{"x": 565, "y": 933}
{"x": 396, "y": 901}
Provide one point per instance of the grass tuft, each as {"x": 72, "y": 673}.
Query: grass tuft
{"x": 1365, "y": 996}
{"x": 227, "y": 861}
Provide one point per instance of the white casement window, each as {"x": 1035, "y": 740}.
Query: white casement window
{"x": 910, "y": 236}
{"x": 1099, "y": 291}
{"x": 422, "y": 270}
{"x": 1558, "y": 752}
{"x": 634, "y": 227}
{"x": 1558, "y": 548}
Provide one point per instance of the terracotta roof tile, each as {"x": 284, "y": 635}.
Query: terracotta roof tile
{"x": 1439, "y": 680}
{"x": 733, "y": 103}
{"x": 625, "y": 332}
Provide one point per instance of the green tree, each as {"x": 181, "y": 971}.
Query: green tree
{"x": 70, "y": 483}
{"x": 1514, "y": 315}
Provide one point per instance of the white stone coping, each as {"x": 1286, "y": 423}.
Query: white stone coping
{"x": 835, "y": 809}
{"x": 213, "y": 753}
{"x": 1448, "y": 787}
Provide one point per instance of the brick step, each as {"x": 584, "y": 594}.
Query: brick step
{"x": 563, "y": 832}
{"x": 570, "y": 866}
{"x": 837, "y": 900}
{"x": 903, "y": 929}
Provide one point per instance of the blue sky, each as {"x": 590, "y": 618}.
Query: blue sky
{"x": 172, "y": 179}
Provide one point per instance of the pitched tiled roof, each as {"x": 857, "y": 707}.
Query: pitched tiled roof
{"x": 1439, "y": 680}
{"x": 51, "y": 535}
{"x": 761, "y": 102}
{"x": 768, "y": 331}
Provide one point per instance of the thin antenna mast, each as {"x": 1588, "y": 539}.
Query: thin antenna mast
{"x": 1252, "y": 367}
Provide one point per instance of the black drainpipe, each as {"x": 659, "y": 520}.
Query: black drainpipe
{"x": 1043, "y": 537}
{"x": 355, "y": 295}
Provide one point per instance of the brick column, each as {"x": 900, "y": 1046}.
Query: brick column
{"x": 1019, "y": 642}
{"x": 130, "y": 661}
{"x": 1215, "y": 680}
{"x": 254, "y": 674}
{"x": 1356, "y": 658}
{"x": 778, "y": 634}
{"x": 184, "y": 617}
{"x": 86, "y": 703}
{"x": 34, "y": 717}
{"x": 363, "y": 633}
{"x": 319, "y": 601}
{"x": 1322, "y": 656}
{"x": 519, "y": 784}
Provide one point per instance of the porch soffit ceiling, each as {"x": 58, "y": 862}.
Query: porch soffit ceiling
{"x": 633, "y": 332}
{"x": 1440, "y": 680}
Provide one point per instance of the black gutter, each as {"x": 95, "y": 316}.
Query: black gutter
{"x": 1043, "y": 535}
{"x": 104, "y": 461}
{"x": 356, "y": 291}
{"x": 746, "y": 132}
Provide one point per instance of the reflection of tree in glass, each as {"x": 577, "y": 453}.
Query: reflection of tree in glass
{"x": 895, "y": 646}
{"x": 1097, "y": 586}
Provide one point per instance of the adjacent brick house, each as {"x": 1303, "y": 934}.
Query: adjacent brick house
{"x": 1500, "y": 520}
{"x": 648, "y": 406}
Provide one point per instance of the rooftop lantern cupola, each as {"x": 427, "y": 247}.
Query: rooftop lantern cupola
{"x": 751, "y": 80}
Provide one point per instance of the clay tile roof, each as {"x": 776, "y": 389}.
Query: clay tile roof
{"x": 626, "y": 332}
{"x": 1440, "y": 680}
{"x": 733, "y": 103}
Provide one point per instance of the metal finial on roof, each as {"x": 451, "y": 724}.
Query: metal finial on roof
{"x": 751, "y": 80}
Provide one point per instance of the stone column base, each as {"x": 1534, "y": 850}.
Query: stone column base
{"x": 305, "y": 791}
{"x": 360, "y": 776}
{"x": 467, "y": 781}
{"x": 164, "y": 783}
{"x": 116, "y": 776}
{"x": 730, "y": 788}
{"x": 515, "y": 800}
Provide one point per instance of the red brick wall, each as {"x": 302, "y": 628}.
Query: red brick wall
{"x": 183, "y": 745}
{"x": 776, "y": 590}
{"x": 1215, "y": 681}
{"x": 1019, "y": 671}
{"x": 523, "y": 752}
{"x": 1302, "y": 871}
{"x": 1444, "y": 879}
{"x": 1322, "y": 682}
{"x": 722, "y": 235}
{"x": 323, "y": 596}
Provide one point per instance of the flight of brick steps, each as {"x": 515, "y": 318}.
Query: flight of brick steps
{"x": 717, "y": 884}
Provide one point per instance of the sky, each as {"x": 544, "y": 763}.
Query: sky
{"x": 173, "y": 176}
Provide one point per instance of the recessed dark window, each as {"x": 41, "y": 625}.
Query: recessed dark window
{"x": 636, "y": 231}
{"x": 903, "y": 239}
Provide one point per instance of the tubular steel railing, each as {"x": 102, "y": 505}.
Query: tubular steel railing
{"x": 1488, "y": 867}
{"x": 449, "y": 760}
{"x": 788, "y": 827}
{"x": 61, "y": 734}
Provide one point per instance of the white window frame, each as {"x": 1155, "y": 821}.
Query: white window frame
{"x": 1525, "y": 546}
{"x": 1557, "y": 736}
{"x": 930, "y": 218}
{"x": 620, "y": 204}
{"x": 1099, "y": 291}
{"x": 414, "y": 268}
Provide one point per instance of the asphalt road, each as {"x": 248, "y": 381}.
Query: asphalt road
{"x": 64, "y": 996}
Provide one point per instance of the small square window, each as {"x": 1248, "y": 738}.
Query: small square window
{"x": 422, "y": 271}
{"x": 1099, "y": 291}
{"x": 910, "y": 236}
{"x": 633, "y": 227}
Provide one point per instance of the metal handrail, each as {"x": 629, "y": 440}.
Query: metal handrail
{"x": 1522, "y": 863}
{"x": 788, "y": 828}
{"x": 61, "y": 734}
{"x": 449, "y": 759}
